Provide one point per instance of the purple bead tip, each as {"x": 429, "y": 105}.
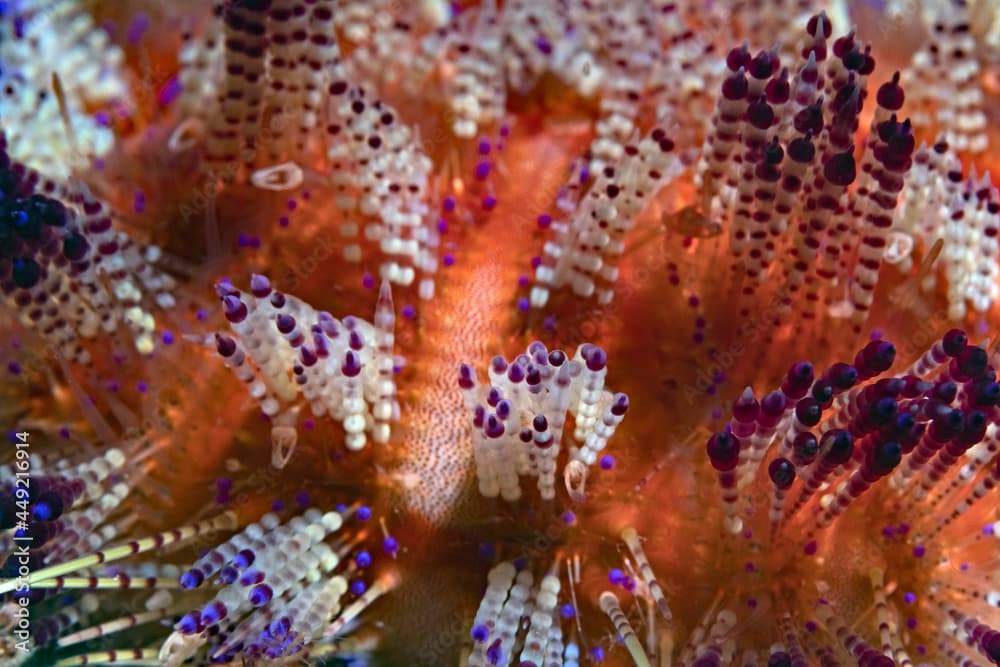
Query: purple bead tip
{"x": 260, "y": 286}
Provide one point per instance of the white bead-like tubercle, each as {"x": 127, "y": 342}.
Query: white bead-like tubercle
{"x": 541, "y": 621}
{"x": 384, "y": 325}
{"x": 588, "y": 394}
{"x": 499, "y": 581}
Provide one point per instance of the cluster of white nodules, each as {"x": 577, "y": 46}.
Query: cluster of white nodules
{"x": 77, "y": 277}
{"x": 498, "y": 628}
{"x": 630, "y": 41}
{"x": 381, "y": 179}
{"x": 494, "y": 48}
{"x": 963, "y": 213}
{"x": 40, "y": 40}
{"x": 265, "y": 87}
{"x": 519, "y": 417}
{"x": 202, "y": 61}
{"x": 284, "y": 350}
{"x": 626, "y": 52}
{"x": 949, "y": 96}
{"x": 254, "y": 82}
{"x": 102, "y": 490}
{"x": 280, "y": 591}
{"x": 585, "y": 253}
{"x": 381, "y": 33}
{"x": 684, "y": 69}
{"x": 476, "y": 91}
{"x": 126, "y": 267}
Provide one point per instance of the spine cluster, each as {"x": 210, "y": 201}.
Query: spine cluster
{"x": 266, "y": 87}
{"x": 287, "y": 353}
{"x": 518, "y": 419}
{"x": 68, "y": 272}
{"x": 585, "y": 253}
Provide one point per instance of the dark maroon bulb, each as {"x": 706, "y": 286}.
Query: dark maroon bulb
{"x": 886, "y": 456}
{"x": 840, "y": 169}
{"x": 26, "y": 272}
{"x": 738, "y": 57}
{"x": 806, "y": 447}
{"x": 837, "y": 446}
{"x": 801, "y": 150}
{"x": 808, "y": 411}
{"x": 735, "y": 87}
{"x": 810, "y": 119}
{"x": 723, "y": 451}
{"x": 782, "y": 473}
{"x": 972, "y": 361}
{"x": 954, "y": 342}
{"x": 819, "y": 26}
{"x": 75, "y": 246}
